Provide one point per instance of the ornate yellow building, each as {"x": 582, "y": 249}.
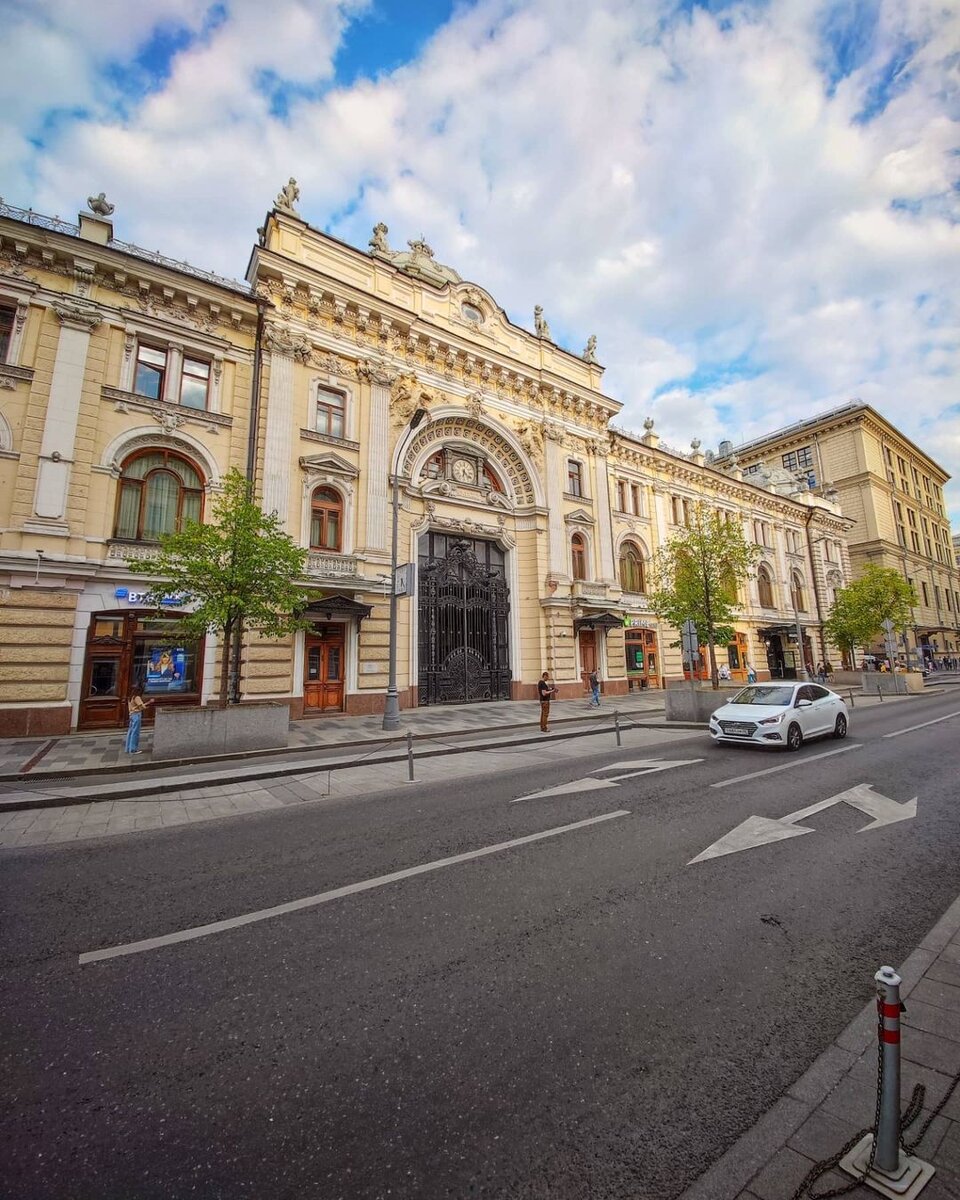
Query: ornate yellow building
{"x": 526, "y": 519}
{"x": 892, "y": 491}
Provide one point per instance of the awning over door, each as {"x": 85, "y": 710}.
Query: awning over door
{"x": 336, "y": 606}
{"x": 603, "y": 620}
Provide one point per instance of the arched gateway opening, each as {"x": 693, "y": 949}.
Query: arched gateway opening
{"x": 464, "y": 603}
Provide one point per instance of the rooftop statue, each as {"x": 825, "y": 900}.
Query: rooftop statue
{"x": 100, "y": 205}
{"x": 418, "y": 260}
{"x": 590, "y": 350}
{"x": 541, "y": 328}
{"x": 287, "y": 197}
{"x": 378, "y": 243}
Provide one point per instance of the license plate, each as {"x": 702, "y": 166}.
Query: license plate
{"x": 738, "y": 730}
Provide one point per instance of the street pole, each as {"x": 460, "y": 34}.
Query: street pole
{"x": 803, "y": 658}
{"x": 391, "y": 708}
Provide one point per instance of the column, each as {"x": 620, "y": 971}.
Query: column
{"x": 378, "y": 458}
{"x": 278, "y": 448}
{"x": 555, "y": 473}
{"x": 63, "y": 412}
{"x": 606, "y": 571}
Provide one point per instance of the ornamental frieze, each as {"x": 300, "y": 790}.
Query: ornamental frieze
{"x": 468, "y": 430}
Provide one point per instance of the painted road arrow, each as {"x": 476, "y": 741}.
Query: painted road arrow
{"x": 640, "y": 766}
{"x": 757, "y": 831}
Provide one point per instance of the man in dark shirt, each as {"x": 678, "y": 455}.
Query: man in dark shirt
{"x": 545, "y": 690}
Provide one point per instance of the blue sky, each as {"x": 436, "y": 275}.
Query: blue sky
{"x": 753, "y": 205}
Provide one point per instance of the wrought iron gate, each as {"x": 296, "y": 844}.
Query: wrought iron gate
{"x": 464, "y": 648}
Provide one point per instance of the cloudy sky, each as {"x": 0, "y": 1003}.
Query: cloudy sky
{"x": 755, "y": 206}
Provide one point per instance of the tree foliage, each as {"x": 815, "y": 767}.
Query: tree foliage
{"x": 859, "y": 611}
{"x": 697, "y": 575}
{"x": 237, "y": 572}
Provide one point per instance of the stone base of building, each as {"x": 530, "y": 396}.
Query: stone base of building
{"x": 187, "y": 732}
{"x": 35, "y": 722}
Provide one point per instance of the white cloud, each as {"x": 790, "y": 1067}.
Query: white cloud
{"x": 690, "y": 188}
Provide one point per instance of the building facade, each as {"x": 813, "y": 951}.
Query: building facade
{"x": 341, "y": 379}
{"x": 893, "y": 494}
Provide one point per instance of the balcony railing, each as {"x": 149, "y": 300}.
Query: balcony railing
{"x": 332, "y": 566}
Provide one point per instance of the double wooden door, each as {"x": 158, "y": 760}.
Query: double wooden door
{"x": 324, "y": 669}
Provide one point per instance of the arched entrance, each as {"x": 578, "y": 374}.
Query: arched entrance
{"x": 463, "y": 608}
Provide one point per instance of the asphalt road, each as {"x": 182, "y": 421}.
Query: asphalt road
{"x": 587, "y": 1014}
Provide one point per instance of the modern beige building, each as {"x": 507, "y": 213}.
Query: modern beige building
{"x": 526, "y": 519}
{"x": 892, "y": 492}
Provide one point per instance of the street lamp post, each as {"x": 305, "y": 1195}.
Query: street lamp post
{"x": 391, "y": 710}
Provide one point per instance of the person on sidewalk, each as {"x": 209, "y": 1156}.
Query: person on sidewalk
{"x": 594, "y": 680}
{"x": 545, "y": 690}
{"x": 751, "y": 673}
{"x": 136, "y": 708}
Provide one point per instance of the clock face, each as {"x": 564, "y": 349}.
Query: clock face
{"x": 464, "y": 470}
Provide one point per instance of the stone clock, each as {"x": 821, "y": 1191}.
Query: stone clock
{"x": 463, "y": 470}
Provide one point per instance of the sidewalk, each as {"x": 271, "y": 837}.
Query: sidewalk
{"x": 836, "y": 1097}
{"x": 76, "y": 754}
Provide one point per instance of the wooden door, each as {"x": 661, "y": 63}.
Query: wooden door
{"x": 588, "y": 653}
{"x": 324, "y": 669}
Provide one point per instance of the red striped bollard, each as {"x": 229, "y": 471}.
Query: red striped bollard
{"x": 887, "y": 1156}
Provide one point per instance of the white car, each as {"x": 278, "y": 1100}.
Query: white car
{"x": 780, "y": 714}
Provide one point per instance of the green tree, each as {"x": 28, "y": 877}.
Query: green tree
{"x": 697, "y": 574}
{"x": 238, "y": 572}
{"x": 859, "y": 611}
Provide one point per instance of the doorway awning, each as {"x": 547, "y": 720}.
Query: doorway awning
{"x": 603, "y": 620}
{"x": 336, "y": 606}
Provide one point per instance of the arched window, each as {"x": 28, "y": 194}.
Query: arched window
{"x": 765, "y": 587}
{"x": 728, "y": 582}
{"x": 159, "y": 493}
{"x": 578, "y": 556}
{"x": 797, "y": 593}
{"x": 632, "y": 578}
{"x": 326, "y": 519}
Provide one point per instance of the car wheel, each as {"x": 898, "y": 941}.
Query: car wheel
{"x": 794, "y": 737}
{"x": 840, "y": 729}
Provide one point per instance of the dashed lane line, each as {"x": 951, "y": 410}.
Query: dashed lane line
{"x": 911, "y": 728}
{"x": 795, "y": 762}
{"x": 365, "y": 885}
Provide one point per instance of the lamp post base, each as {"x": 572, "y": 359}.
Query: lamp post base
{"x": 391, "y": 712}
{"x": 910, "y": 1178}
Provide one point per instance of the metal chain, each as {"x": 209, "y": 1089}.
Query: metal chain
{"x": 907, "y": 1118}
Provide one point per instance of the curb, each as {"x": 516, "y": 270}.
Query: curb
{"x": 280, "y": 751}
{"x": 266, "y": 770}
{"x": 732, "y": 1173}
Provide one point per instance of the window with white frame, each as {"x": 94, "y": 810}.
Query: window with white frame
{"x": 8, "y": 316}
{"x": 574, "y": 478}
{"x": 331, "y": 412}
{"x": 162, "y": 373}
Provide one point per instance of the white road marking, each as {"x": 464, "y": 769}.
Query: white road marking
{"x": 794, "y": 762}
{"x": 264, "y": 914}
{"x": 649, "y": 766}
{"x": 911, "y": 728}
{"x": 758, "y": 831}
{"x": 564, "y": 789}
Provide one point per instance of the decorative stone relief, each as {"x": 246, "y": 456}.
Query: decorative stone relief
{"x": 279, "y": 339}
{"x": 475, "y": 405}
{"x": 77, "y": 317}
{"x": 376, "y": 371}
{"x": 169, "y": 422}
{"x": 466, "y": 429}
{"x": 530, "y": 437}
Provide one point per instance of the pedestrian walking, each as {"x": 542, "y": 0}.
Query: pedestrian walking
{"x": 821, "y": 673}
{"x": 545, "y": 690}
{"x": 751, "y": 673}
{"x": 136, "y": 708}
{"x": 595, "y": 688}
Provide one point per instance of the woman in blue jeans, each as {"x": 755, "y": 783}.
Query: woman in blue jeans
{"x": 136, "y": 709}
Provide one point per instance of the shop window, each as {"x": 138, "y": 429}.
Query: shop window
{"x": 331, "y": 412}
{"x": 578, "y": 556}
{"x": 326, "y": 519}
{"x": 574, "y": 478}
{"x": 765, "y": 587}
{"x": 631, "y": 569}
{"x": 160, "y": 492}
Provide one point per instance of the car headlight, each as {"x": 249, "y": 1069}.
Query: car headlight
{"x": 771, "y": 720}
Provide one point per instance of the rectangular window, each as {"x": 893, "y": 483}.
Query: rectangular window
{"x": 926, "y": 594}
{"x": 621, "y": 496}
{"x": 797, "y": 460}
{"x": 912, "y": 518}
{"x": 331, "y": 412}
{"x": 574, "y": 478}
{"x": 753, "y": 469}
{"x": 635, "y": 496}
{"x": 151, "y": 372}
{"x": 936, "y": 595}
{"x": 915, "y": 540}
{"x": 7, "y": 316}
{"x": 194, "y": 383}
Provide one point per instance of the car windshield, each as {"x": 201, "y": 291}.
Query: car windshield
{"x": 777, "y": 695}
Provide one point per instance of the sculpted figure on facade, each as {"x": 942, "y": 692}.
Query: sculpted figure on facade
{"x": 376, "y": 371}
{"x": 378, "y": 243}
{"x": 541, "y": 328}
{"x": 100, "y": 205}
{"x": 590, "y": 350}
{"x": 279, "y": 339}
{"x": 288, "y": 196}
{"x": 475, "y": 405}
{"x": 530, "y": 437}
{"x": 406, "y": 396}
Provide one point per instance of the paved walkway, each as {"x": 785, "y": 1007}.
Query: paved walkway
{"x": 76, "y": 753}
{"x": 835, "y": 1098}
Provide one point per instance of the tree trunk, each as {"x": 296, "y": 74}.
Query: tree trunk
{"x": 225, "y": 662}
{"x": 714, "y": 673}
